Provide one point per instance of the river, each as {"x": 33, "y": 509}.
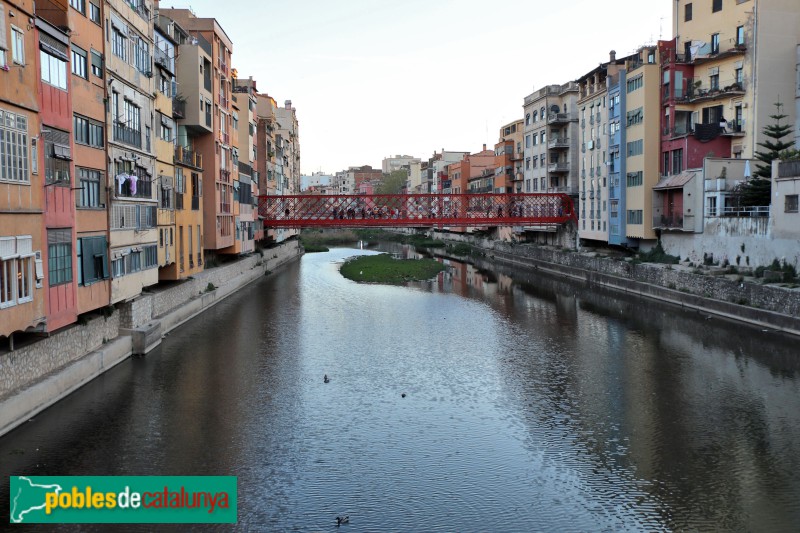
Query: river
{"x": 488, "y": 399}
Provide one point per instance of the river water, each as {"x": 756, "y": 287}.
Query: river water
{"x": 531, "y": 404}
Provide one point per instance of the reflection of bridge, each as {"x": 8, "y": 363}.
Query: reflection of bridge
{"x": 415, "y": 210}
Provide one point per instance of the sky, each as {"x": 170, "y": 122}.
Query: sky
{"x": 375, "y": 78}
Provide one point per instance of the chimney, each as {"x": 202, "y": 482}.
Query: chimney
{"x": 484, "y": 147}
{"x": 612, "y": 55}
{"x": 288, "y": 104}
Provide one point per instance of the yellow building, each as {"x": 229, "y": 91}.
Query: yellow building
{"x": 643, "y": 142}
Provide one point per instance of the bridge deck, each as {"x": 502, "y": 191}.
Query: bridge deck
{"x": 415, "y": 210}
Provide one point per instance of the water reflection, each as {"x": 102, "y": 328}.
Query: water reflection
{"x": 532, "y": 403}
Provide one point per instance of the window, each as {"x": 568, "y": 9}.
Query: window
{"x": 791, "y": 203}
{"x": 739, "y": 76}
{"x": 635, "y": 216}
{"x": 54, "y": 69}
{"x": 740, "y": 35}
{"x": 165, "y": 128}
{"x": 78, "y": 5}
{"x": 79, "y": 62}
{"x": 141, "y": 51}
{"x": 677, "y": 161}
{"x": 635, "y": 117}
{"x": 713, "y": 82}
{"x": 118, "y": 42}
{"x": 715, "y": 43}
{"x": 97, "y": 63}
{"x": 16, "y": 279}
{"x": 89, "y": 193}
{"x": 528, "y": 119}
{"x": 150, "y": 256}
{"x": 94, "y": 13}
{"x": 92, "y": 260}
{"x": 13, "y": 147}
{"x": 17, "y": 46}
{"x": 57, "y": 157}
{"x": 716, "y": 5}
{"x": 635, "y": 83}
{"x": 542, "y": 137}
{"x": 528, "y": 163}
{"x": 59, "y": 256}
{"x": 687, "y": 12}
{"x": 635, "y": 148}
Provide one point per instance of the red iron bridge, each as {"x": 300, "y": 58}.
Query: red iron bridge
{"x": 416, "y": 210}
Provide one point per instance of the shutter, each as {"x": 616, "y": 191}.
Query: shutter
{"x": 3, "y": 39}
{"x": 25, "y": 245}
{"x": 104, "y": 254}
{"x": 87, "y": 260}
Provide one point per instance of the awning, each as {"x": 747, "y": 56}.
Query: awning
{"x": 675, "y": 182}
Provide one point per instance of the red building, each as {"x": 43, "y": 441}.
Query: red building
{"x": 55, "y": 159}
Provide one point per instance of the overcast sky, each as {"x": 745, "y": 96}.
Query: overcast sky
{"x": 373, "y": 78}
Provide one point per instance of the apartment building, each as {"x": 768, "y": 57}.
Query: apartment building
{"x": 56, "y": 158}
{"x": 192, "y": 111}
{"x": 216, "y": 149}
{"x": 727, "y": 66}
{"x": 642, "y": 143}
{"x": 471, "y": 167}
{"x": 250, "y": 227}
{"x": 133, "y": 200}
{"x": 551, "y": 112}
{"x": 22, "y": 178}
{"x": 390, "y": 164}
{"x": 515, "y": 132}
{"x": 594, "y": 107}
{"x": 437, "y": 166}
{"x": 89, "y": 132}
{"x": 164, "y": 51}
{"x": 616, "y": 142}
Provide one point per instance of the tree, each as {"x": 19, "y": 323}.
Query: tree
{"x": 757, "y": 191}
{"x": 393, "y": 183}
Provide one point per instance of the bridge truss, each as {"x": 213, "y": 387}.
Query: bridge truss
{"x": 416, "y": 210}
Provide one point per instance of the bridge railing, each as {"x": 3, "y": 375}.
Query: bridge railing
{"x": 418, "y": 210}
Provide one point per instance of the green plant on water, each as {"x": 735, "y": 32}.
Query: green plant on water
{"x": 461, "y": 249}
{"x": 383, "y": 268}
{"x": 315, "y": 248}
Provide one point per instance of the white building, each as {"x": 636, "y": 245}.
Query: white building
{"x": 390, "y": 164}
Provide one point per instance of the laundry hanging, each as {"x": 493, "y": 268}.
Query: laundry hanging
{"x": 121, "y": 179}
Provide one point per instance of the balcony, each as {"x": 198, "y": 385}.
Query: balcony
{"x": 187, "y": 157}
{"x": 224, "y": 102}
{"x": 697, "y": 91}
{"x": 733, "y": 128}
{"x": 225, "y": 207}
{"x": 677, "y": 131}
{"x": 224, "y": 175}
{"x": 558, "y": 143}
{"x": 482, "y": 190}
{"x": 124, "y": 134}
{"x": 226, "y": 138}
{"x": 674, "y": 221}
{"x": 178, "y": 107}
{"x": 561, "y": 118}
{"x": 558, "y": 168}
{"x": 142, "y": 189}
{"x": 223, "y": 67}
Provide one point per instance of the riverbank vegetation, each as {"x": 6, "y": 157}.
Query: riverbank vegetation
{"x": 383, "y": 268}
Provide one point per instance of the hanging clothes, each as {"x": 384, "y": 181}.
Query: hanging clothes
{"x": 133, "y": 179}
{"x": 121, "y": 179}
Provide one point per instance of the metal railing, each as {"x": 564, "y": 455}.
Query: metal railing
{"x": 188, "y": 157}
{"x": 123, "y": 133}
{"x": 144, "y": 189}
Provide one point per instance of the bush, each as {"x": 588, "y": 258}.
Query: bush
{"x": 658, "y": 255}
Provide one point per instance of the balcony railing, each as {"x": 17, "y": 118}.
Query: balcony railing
{"x": 223, "y": 102}
{"x": 223, "y": 67}
{"x": 558, "y": 167}
{"x": 224, "y": 207}
{"x": 123, "y": 133}
{"x": 224, "y": 175}
{"x": 557, "y": 142}
{"x": 226, "y": 138}
{"x": 561, "y": 118}
{"x": 142, "y": 189}
{"x": 188, "y": 157}
{"x": 675, "y": 220}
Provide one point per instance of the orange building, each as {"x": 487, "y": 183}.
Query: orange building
{"x": 22, "y": 236}
{"x": 216, "y": 149}
{"x": 91, "y": 218}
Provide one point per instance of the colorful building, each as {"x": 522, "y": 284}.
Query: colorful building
{"x": 22, "y": 177}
